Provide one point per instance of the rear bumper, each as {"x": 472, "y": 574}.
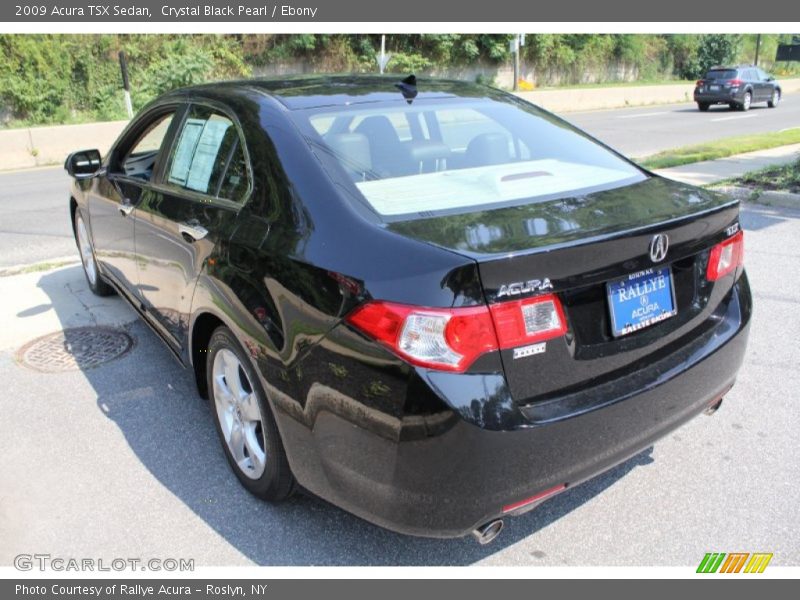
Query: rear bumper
{"x": 488, "y": 453}
{"x": 721, "y": 97}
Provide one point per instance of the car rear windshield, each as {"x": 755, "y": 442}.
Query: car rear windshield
{"x": 422, "y": 159}
{"x": 721, "y": 74}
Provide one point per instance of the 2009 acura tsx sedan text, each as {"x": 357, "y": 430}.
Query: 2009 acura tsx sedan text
{"x": 428, "y": 302}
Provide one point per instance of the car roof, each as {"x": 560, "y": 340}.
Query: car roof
{"x": 303, "y": 92}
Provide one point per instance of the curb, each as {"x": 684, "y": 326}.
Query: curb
{"x": 765, "y": 198}
{"x": 40, "y": 267}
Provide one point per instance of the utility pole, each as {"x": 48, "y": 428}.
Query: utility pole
{"x": 126, "y": 84}
{"x": 514, "y": 45}
{"x": 758, "y": 46}
{"x": 384, "y": 58}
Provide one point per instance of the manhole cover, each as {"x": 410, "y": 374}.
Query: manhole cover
{"x": 77, "y": 348}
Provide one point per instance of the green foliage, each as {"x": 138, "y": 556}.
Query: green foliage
{"x": 717, "y": 49}
{"x": 407, "y": 63}
{"x": 67, "y": 78}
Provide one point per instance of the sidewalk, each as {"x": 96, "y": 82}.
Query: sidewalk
{"x": 713, "y": 171}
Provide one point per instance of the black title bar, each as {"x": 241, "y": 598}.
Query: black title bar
{"x": 360, "y": 11}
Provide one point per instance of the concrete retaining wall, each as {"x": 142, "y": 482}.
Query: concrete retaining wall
{"x": 575, "y": 99}
{"x": 39, "y": 146}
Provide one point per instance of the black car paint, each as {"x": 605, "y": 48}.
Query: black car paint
{"x": 415, "y": 450}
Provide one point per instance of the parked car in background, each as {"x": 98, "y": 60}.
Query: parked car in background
{"x": 738, "y": 87}
{"x": 431, "y": 303}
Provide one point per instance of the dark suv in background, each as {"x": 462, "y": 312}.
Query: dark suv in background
{"x": 738, "y": 87}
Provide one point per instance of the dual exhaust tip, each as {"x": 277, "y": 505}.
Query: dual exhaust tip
{"x": 487, "y": 532}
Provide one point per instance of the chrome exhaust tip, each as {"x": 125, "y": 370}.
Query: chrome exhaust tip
{"x": 713, "y": 408}
{"x": 486, "y": 533}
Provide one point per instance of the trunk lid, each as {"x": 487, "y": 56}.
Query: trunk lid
{"x": 578, "y": 245}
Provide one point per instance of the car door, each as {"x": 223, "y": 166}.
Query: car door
{"x": 758, "y": 85}
{"x": 765, "y": 85}
{"x": 205, "y": 180}
{"x": 121, "y": 188}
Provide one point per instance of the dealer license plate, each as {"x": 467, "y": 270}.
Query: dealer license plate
{"x": 640, "y": 299}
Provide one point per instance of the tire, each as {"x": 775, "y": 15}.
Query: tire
{"x": 703, "y": 106}
{"x": 775, "y": 100}
{"x": 238, "y": 403}
{"x": 746, "y": 101}
{"x": 83, "y": 240}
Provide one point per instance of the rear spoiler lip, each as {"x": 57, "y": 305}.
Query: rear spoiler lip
{"x": 601, "y": 237}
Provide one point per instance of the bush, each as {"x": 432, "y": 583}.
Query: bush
{"x": 67, "y": 78}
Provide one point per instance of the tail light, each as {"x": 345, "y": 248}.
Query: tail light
{"x": 451, "y": 339}
{"x": 735, "y": 82}
{"x": 726, "y": 257}
{"x": 699, "y": 83}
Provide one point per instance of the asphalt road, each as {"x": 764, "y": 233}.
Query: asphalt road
{"x": 34, "y": 217}
{"x": 122, "y": 460}
{"x": 638, "y": 132}
{"x": 34, "y": 225}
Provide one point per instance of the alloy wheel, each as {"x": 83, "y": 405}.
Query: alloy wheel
{"x": 239, "y": 414}
{"x": 87, "y": 256}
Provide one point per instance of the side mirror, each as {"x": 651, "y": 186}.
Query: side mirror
{"x": 770, "y": 78}
{"x": 83, "y": 163}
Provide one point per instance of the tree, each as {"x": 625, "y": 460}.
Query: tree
{"x": 717, "y": 49}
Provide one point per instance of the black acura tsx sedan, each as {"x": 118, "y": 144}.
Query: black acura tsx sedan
{"x": 428, "y": 302}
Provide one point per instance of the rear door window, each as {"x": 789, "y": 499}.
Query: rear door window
{"x": 208, "y": 156}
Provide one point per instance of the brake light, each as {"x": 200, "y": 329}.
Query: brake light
{"x": 735, "y": 82}
{"x": 726, "y": 257}
{"x": 699, "y": 82}
{"x": 528, "y": 321}
{"x": 451, "y": 339}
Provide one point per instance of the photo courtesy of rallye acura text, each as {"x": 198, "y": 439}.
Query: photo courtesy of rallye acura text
{"x": 427, "y": 302}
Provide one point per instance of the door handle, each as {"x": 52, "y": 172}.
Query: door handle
{"x": 126, "y": 208}
{"x": 192, "y": 233}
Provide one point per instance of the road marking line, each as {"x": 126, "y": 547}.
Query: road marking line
{"x": 652, "y": 114}
{"x": 737, "y": 117}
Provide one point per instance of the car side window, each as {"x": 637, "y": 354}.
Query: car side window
{"x": 208, "y": 156}
{"x": 141, "y": 158}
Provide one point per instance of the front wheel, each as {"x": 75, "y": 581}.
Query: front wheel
{"x": 776, "y": 98}
{"x": 244, "y": 421}
{"x": 703, "y": 106}
{"x": 96, "y": 282}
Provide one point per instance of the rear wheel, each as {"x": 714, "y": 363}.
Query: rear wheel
{"x": 776, "y": 98}
{"x": 244, "y": 421}
{"x": 746, "y": 101}
{"x": 703, "y": 106}
{"x": 96, "y": 282}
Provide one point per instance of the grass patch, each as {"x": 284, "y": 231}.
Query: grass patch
{"x": 784, "y": 178}
{"x": 721, "y": 148}
{"x": 615, "y": 84}
{"x": 37, "y": 267}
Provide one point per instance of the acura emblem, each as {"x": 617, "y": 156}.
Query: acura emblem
{"x": 658, "y": 247}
